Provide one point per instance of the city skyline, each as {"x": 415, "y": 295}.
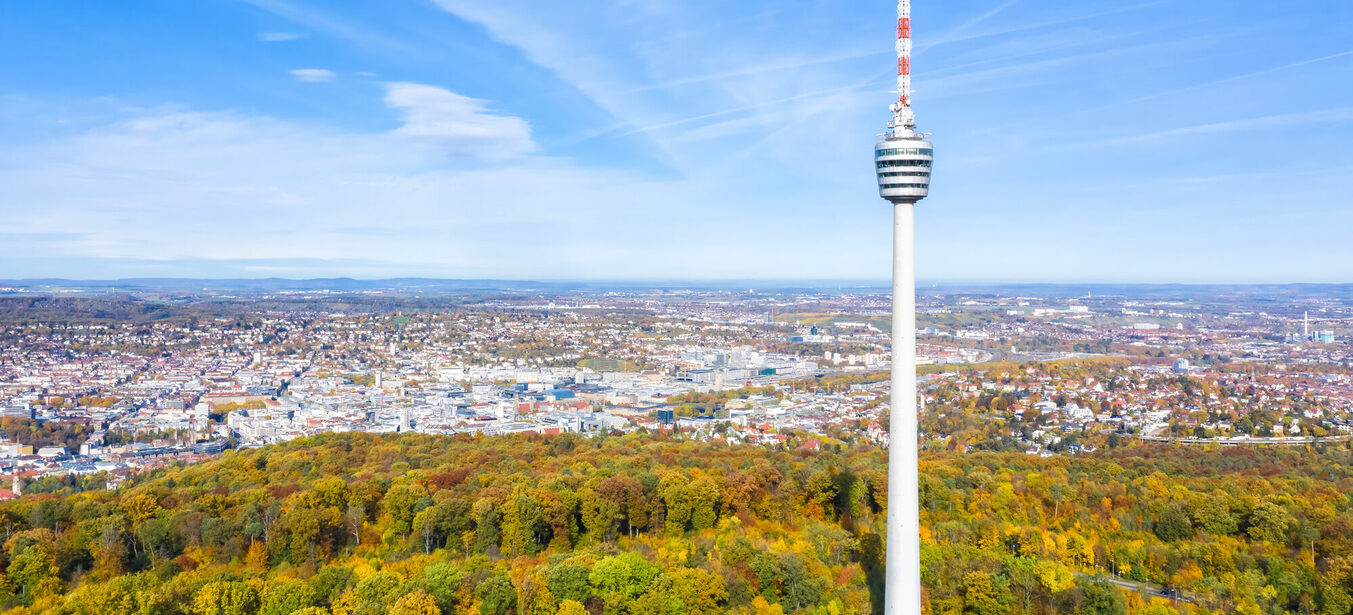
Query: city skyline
{"x": 1153, "y": 142}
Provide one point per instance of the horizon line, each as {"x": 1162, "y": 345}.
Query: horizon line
{"x": 47, "y": 281}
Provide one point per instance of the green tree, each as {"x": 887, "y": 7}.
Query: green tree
{"x": 415, "y": 603}
{"x": 1173, "y": 525}
{"x": 1334, "y": 598}
{"x": 618, "y": 580}
{"x": 283, "y": 596}
{"x": 821, "y": 489}
{"x": 674, "y": 489}
{"x": 225, "y": 598}
{"x": 1215, "y": 517}
{"x": 704, "y": 499}
{"x": 1103, "y": 598}
{"x": 1056, "y": 579}
{"x": 497, "y": 596}
{"x": 377, "y": 589}
{"x": 982, "y": 595}
{"x": 523, "y": 523}
{"x": 700, "y": 591}
{"x": 798, "y": 587}
{"x": 569, "y": 582}
{"x": 486, "y": 525}
{"x": 1023, "y": 575}
{"x": 442, "y": 581}
{"x": 34, "y": 570}
{"x": 304, "y": 527}
{"x": 1269, "y": 523}
{"x": 140, "y": 507}
{"x": 329, "y": 582}
{"x": 401, "y": 504}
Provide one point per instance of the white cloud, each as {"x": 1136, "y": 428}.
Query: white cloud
{"x": 313, "y": 75}
{"x": 278, "y": 37}
{"x": 189, "y": 189}
{"x": 457, "y": 124}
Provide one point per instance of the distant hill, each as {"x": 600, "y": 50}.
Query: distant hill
{"x": 927, "y": 288}
{"x": 1209, "y": 292}
{"x": 281, "y": 284}
{"x": 194, "y": 285}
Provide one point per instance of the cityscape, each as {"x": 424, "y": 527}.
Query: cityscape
{"x": 1044, "y": 374}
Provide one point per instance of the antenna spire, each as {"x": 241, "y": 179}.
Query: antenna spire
{"x": 903, "y": 118}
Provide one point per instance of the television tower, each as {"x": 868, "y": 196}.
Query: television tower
{"x": 902, "y": 157}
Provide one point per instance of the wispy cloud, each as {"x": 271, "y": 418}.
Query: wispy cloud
{"x": 1235, "y": 78}
{"x": 961, "y": 33}
{"x": 313, "y": 75}
{"x": 761, "y": 70}
{"x": 769, "y": 104}
{"x": 324, "y": 22}
{"x": 30, "y": 240}
{"x": 660, "y": 89}
{"x": 458, "y": 124}
{"x": 278, "y": 37}
{"x": 1283, "y": 120}
{"x": 1262, "y": 176}
{"x": 965, "y": 26}
{"x": 954, "y": 80}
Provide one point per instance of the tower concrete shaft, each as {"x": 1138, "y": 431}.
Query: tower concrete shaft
{"x": 902, "y": 582}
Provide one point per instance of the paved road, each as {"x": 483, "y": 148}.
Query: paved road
{"x": 1148, "y": 589}
{"x": 1301, "y": 441}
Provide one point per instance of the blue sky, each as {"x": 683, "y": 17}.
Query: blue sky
{"x": 1086, "y": 140}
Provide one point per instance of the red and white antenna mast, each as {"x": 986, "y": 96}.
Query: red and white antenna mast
{"x": 904, "y": 52}
{"x": 902, "y": 115}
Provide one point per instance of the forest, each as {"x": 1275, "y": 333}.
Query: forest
{"x": 38, "y": 434}
{"x": 643, "y": 524}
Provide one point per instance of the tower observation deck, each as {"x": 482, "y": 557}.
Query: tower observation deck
{"x": 902, "y": 156}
